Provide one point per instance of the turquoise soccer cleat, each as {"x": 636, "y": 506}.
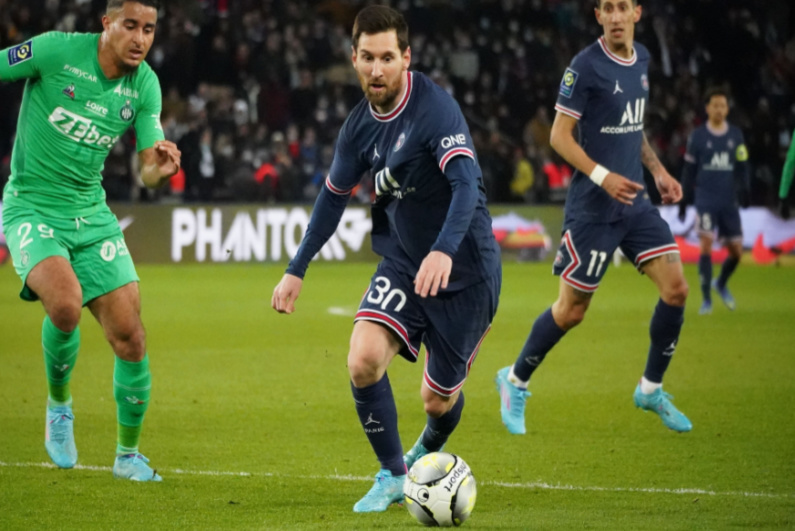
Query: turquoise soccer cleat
{"x": 386, "y": 490}
{"x": 660, "y": 403}
{"x": 706, "y": 308}
{"x": 417, "y": 451}
{"x": 134, "y": 467}
{"x": 512, "y": 402}
{"x": 725, "y": 295}
{"x": 59, "y": 437}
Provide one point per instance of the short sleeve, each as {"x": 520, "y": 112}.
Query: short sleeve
{"x": 28, "y": 59}
{"x": 691, "y": 154}
{"x": 741, "y": 154}
{"x": 573, "y": 90}
{"x": 449, "y": 133}
{"x": 148, "y": 128}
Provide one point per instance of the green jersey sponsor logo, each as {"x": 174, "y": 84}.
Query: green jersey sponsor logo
{"x": 79, "y": 129}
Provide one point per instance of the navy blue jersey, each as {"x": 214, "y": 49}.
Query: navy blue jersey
{"x": 608, "y": 95}
{"x": 718, "y": 161}
{"x": 429, "y": 188}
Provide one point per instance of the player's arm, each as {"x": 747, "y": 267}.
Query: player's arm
{"x": 670, "y": 189}
{"x": 742, "y": 174}
{"x": 786, "y": 179}
{"x": 562, "y": 140}
{"x": 159, "y": 163}
{"x": 688, "y": 179}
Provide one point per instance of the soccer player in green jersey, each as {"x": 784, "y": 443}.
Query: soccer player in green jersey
{"x": 83, "y": 91}
{"x": 786, "y": 179}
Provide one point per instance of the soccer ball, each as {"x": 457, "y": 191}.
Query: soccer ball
{"x": 440, "y": 490}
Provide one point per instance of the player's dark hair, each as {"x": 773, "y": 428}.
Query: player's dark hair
{"x": 378, "y": 19}
{"x": 116, "y": 4}
{"x": 599, "y": 3}
{"x": 711, "y": 92}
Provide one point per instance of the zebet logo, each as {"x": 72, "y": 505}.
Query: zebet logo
{"x": 80, "y": 129}
{"x": 266, "y": 234}
{"x": 631, "y": 120}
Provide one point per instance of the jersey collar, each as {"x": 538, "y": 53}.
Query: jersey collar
{"x": 388, "y": 117}
{"x": 614, "y": 57}
{"x": 719, "y": 131}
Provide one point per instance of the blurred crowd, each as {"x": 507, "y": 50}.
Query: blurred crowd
{"x": 255, "y": 91}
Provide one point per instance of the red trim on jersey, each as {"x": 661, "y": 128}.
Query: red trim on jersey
{"x": 614, "y": 57}
{"x": 402, "y": 105}
{"x": 436, "y": 388}
{"x": 565, "y": 110}
{"x": 333, "y": 189}
{"x": 654, "y": 253}
{"x": 452, "y": 153}
{"x": 575, "y": 263}
{"x": 379, "y": 317}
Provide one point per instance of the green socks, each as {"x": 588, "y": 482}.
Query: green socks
{"x": 132, "y": 384}
{"x": 60, "y": 355}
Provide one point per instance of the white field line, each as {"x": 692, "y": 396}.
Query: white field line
{"x": 541, "y": 485}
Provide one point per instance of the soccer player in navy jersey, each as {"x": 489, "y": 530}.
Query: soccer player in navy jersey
{"x": 715, "y": 176}
{"x": 439, "y": 280}
{"x": 605, "y": 92}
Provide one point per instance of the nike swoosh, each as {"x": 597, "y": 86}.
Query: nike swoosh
{"x": 126, "y": 222}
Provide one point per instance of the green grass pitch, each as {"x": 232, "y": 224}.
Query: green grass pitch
{"x": 252, "y": 425}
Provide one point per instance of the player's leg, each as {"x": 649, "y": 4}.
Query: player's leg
{"x": 458, "y": 324}
{"x": 730, "y": 230}
{"x": 41, "y": 257}
{"x": 110, "y": 291}
{"x": 666, "y": 325}
{"x": 581, "y": 262}
{"x": 372, "y": 349}
{"x": 705, "y": 235}
{"x": 118, "y": 312}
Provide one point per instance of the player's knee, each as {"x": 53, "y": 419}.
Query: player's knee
{"x": 675, "y": 294}
{"x": 130, "y": 344}
{"x": 65, "y": 317}
{"x": 363, "y": 367}
{"x": 436, "y": 407}
{"x": 570, "y": 316}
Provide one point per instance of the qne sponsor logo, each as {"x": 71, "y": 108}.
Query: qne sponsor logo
{"x": 631, "y": 120}
{"x": 454, "y": 140}
{"x": 267, "y": 234}
{"x": 80, "y": 129}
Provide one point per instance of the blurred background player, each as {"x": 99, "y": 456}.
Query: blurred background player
{"x": 440, "y": 276}
{"x": 715, "y": 177}
{"x": 605, "y": 92}
{"x": 82, "y": 92}
{"x": 786, "y": 179}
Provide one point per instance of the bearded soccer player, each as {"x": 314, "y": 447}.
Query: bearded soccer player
{"x": 604, "y": 92}
{"x": 440, "y": 276}
{"x": 83, "y": 91}
{"x": 715, "y": 177}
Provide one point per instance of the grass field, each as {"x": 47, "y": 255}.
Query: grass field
{"x": 253, "y": 427}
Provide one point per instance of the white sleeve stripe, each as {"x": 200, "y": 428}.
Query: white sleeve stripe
{"x": 566, "y": 110}
{"x": 453, "y": 153}
{"x": 334, "y": 190}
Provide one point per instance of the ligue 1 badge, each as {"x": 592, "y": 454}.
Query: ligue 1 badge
{"x": 644, "y": 82}
{"x": 127, "y": 112}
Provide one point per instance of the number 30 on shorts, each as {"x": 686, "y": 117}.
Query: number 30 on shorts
{"x": 381, "y": 294}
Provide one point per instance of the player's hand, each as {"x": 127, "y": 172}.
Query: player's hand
{"x": 168, "y": 157}
{"x": 620, "y": 188}
{"x": 783, "y": 208}
{"x": 682, "y": 212}
{"x": 669, "y": 188}
{"x": 434, "y": 273}
{"x": 286, "y": 293}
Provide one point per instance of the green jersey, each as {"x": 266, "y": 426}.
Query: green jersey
{"x": 70, "y": 118}
{"x": 788, "y": 171}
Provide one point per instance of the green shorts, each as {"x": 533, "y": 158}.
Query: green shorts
{"x": 94, "y": 245}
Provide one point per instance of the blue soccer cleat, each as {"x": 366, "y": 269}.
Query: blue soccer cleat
{"x": 386, "y": 490}
{"x": 725, "y": 295}
{"x": 134, "y": 467}
{"x": 417, "y": 451}
{"x": 660, "y": 403}
{"x": 706, "y": 308}
{"x": 512, "y": 402}
{"x": 59, "y": 437}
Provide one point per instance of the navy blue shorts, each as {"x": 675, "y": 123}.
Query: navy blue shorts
{"x": 451, "y": 325}
{"x": 587, "y": 248}
{"x": 725, "y": 219}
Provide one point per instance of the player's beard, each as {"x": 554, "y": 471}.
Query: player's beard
{"x": 385, "y": 100}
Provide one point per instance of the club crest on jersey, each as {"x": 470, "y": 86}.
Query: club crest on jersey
{"x": 127, "y": 112}
{"x": 644, "y": 82}
{"x": 20, "y": 52}
{"x": 568, "y": 82}
{"x": 400, "y": 141}
{"x": 70, "y": 91}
